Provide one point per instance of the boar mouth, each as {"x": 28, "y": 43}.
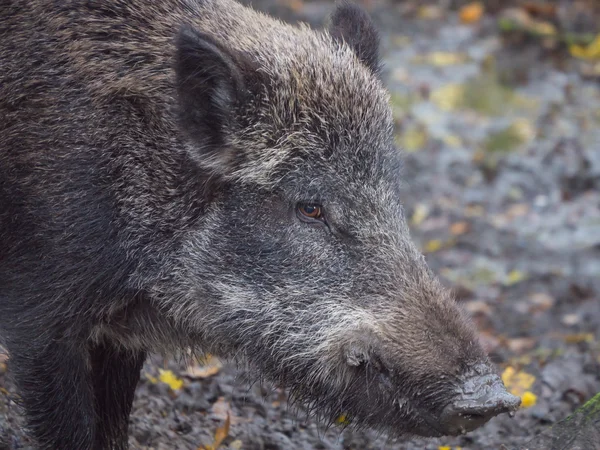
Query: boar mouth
{"x": 480, "y": 398}
{"x": 477, "y": 397}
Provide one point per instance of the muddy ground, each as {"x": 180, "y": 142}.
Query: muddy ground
{"x": 502, "y": 184}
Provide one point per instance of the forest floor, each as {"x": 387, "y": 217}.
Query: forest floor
{"x": 502, "y": 186}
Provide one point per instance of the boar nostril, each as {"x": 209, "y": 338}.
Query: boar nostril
{"x": 474, "y": 407}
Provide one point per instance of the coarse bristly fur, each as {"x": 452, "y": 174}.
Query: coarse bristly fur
{"x": 153, "y": 154}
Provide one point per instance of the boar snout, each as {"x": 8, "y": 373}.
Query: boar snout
{"x": 481, "y": 397}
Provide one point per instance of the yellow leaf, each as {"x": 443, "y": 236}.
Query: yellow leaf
{"x": 441, "y": 59}
{"x": 577, "y": 338}
{"x": 451, "y": 140}
{"x": 433, "y": 246}
{"x": 342, "y": 420}
{"x": 471, "y": 13}
{"x": 413, "y": 139}
{"x": 444, "y": 447}
{"x": 514, "y": 277}
{"x": 420, "y": 213}
{"x": 517, "y": 383}
{"x": 591, "y": 51}
{"x": 429, "y": 12}
{"x": 449, "y": 97}
{"x": 169, "y": 378}
{"x": 528, "y": 399}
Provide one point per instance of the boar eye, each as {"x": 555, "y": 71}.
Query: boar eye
{"x": 310, "y": 212}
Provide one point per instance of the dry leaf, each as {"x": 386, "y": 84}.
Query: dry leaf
{"x": 541, "y": 302}
{"x": 430, "y": 12}
{"x": 3, "y": 359}
{"x": 571, "y": 319}
{"x": 459, "y": 228}
{"x": 540, "y": 8}
{"x": 471, "y": 12}
{"x": 478, "y": 307}
{"x": 220, "y": 434}
{"x": 236, "y": 445}
{"x": 578, "y": 338}
{"x": 210, "y": 366}
{"x": 519, "y": 345}
{"x": 518, "y": 210}
{"x": 222, "y": 409}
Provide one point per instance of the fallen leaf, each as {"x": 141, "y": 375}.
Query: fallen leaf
{"x": 520, "y": 345}
{"x": 236, "y": 445}
{"x": 220, "y": 434}
{"x": 221, "y": 408}
{"x": 579, "y": 337}
{"x": 449, "y": 97}
{"x": 420, "y": 213}
{"x": 517, "y": 383}
{"x": 514, "y": 277}
{"x": 342, "y": 420}
{"x": 430, "y": 12}
{"x": 3, "y": 359}
{"x": 540, "y": 8}
{"x": 590, "y": 51}
{"x": 151, "y": 379}
{"x": 433, "y": 246}
{"x": 168, "y": 377}
{"x": 471, "y": 12}
{"x": 541, "y": 302}
{"x": 452, "y": 140}
{"x": 518, "y": 210}
{"x": 210, "y": 366}
{"x": 401, "y": 40}
{"x": 459, "y": 228}
{"x": 413, "y": 139}
{"x": 570, "y": 319}
{"x": 543, "y": 28}
{"x": 478, "y": 307}
{"x": 528, "y": 399}
{"x": 441, "y": 59}
{"x": 295, "y": 5}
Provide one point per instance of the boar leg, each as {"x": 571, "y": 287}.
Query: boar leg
{"x": 55, "y": 388}
{"x": 115, "y": 374}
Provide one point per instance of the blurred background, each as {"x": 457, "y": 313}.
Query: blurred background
{"x": 497, "y": 107}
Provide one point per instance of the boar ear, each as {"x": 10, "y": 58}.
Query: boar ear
{"x": 210, "y": 85}
{"x": 352, "y": 24}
